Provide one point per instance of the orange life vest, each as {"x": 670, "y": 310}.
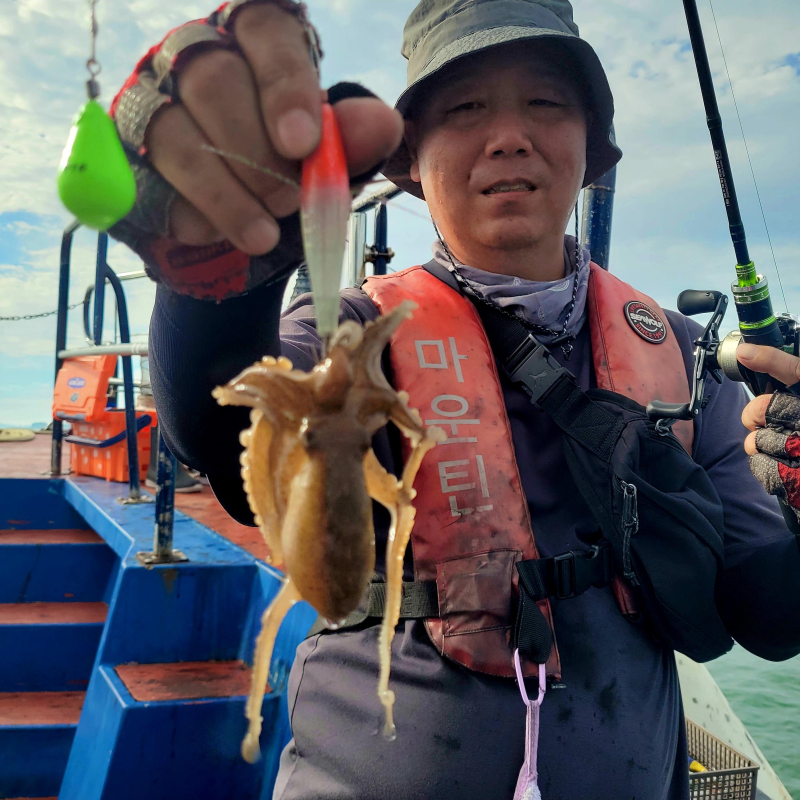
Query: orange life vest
{"x": 472, "y": 523}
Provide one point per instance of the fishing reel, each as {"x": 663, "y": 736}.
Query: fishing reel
{"x": 714, "y": 357}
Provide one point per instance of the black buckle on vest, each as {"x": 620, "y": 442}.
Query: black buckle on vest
{"x": 574, "y": 572}
{"x": 563, "y": 576}
{"x": 569, "y": 574}
{"x": 533, "y": 367}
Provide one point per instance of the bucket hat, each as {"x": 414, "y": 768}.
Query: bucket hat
{"x": 439, "y": 32}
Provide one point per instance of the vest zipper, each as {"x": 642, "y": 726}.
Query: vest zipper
{"x": 630, "y": 526}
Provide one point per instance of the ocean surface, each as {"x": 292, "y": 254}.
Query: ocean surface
{"x": 766, "y": 697}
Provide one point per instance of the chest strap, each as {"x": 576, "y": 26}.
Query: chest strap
{"x": 561, "y": 577}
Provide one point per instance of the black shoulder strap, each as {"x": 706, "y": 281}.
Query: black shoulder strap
{"x": 505, "y": 333}
{"x": 442, "y": 273}
{"x": 551, "y": 387}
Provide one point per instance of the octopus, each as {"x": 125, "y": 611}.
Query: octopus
{"x": 310, "y": 476}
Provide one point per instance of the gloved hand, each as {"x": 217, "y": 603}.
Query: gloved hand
{"x": 774, "y": 419}
{"x": 243, "y": 81}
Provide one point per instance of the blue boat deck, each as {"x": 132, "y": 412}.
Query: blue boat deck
{"x": 123, "y": 681}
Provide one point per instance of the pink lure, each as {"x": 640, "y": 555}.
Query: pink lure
{"x": 324, "y": 211}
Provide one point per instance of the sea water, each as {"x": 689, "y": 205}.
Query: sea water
{"x": 766, "y": 697}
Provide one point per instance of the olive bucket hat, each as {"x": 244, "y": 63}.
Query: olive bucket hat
{"x": 439, "y": 32}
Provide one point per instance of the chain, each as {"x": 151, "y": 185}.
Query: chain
{"x": 39, "y": 316}
{"x": 562, "y": 338}
{"x": 93, "y": 65}
{"x": 566, "y": 348}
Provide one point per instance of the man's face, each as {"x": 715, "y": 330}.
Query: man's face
{"x": 500, "y": 149}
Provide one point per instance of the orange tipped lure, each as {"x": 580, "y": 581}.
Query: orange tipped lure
{"x": 324, "y": 211}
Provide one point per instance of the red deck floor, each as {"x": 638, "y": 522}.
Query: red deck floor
{"x": 58, "y": 536}
{"x": 32, "y": 460}
{"x": 52, "y": 613}
{"x": 40, "y": 708}
{"x": 185, "y": 680}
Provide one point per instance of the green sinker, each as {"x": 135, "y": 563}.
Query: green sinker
{"x": 95, "y": 181}
{"x": 746, "y": 273}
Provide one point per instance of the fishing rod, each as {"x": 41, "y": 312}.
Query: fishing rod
{"x": 758, "y": 323}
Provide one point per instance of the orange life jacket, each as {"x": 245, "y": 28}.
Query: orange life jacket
{"x": 472, "y": 523}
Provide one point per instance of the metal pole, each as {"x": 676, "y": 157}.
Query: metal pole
{"x": 165, "y": 499}
{"x": 597, "y": 215}
{"x": 381, "y": 239}
{"x": 127, "y": 377}
{"x": 61, "y": 336}
{"x": 87, "y": 323}
{"x": 100, "y": 286}
{"x": 356, "y": 248}
{"x": 129, "y": 349}
{"x": 165, "y": 511}
{"x": 382, "y": 194}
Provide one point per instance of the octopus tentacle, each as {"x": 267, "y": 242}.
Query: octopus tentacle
{"x": 396, "y": 496}
{"x": 376, "y": 336}
{"x": 271, "y": 620}
{"x": 258, "y": 486}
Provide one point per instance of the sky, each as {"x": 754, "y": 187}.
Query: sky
{"x": 669, "y": 233}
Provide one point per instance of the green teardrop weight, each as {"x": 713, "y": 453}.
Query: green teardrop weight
{"x": 95, "y": 181}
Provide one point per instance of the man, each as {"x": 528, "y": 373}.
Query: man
{"x": 508, "y": 113}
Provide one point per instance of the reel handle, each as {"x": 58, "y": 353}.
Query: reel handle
{"x": 657, "y": 409}
{"x": 695, "y": 301}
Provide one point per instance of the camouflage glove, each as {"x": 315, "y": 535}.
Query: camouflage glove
{"x": 213, "y": 271}
{"x": 776, "y": 465}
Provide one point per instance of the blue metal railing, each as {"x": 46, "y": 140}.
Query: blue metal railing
{"x": 101, "y": 269}
{"x": 598, "y": 211}
{"x": 104, "y": 272}
{"x": 61, "y": 336}
{"x": 380, "y": 252}
{"x": 167, "y": 465}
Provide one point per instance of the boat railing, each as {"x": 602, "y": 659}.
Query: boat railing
{"x": 163, "y": 551}
{"x": 595, "y": 234}
{"x": 89, "y": 294}
{"x": 118, "y": 349}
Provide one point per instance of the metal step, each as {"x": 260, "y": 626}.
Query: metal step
{"x": 36, "y": 733}
{"x": 53, "y": 566}
{"x": 53, "y": 583}
{"x": 186, "y": 680}
{"x": 53, "y": 613}
{"x": 49, "y": 647}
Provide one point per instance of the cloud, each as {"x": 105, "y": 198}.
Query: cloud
{"x": 670, "y": 230}
{"x": 342, "y": 8}
{"x": 30, "y": 286}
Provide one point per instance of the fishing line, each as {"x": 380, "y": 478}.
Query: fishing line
{"x": 749, "y": 160}
{"x": 252, "y": 164}
{"x": 279, "y": 176}
{"x": 410, "y": 211}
